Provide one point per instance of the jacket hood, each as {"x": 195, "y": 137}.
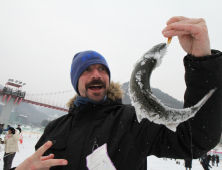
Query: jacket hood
{"x": 114, "y": 93}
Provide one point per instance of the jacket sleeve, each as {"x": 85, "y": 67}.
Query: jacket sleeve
{"x": 197, "y": 135}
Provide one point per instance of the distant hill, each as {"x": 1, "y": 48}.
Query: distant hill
{"x": 51, "y": 112}
{"x": 29, "y": 110}
{"x": 165, "y": 98}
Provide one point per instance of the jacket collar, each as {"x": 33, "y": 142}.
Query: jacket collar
{"x": 98, "y": 111}
{"x": 114, "y": 93}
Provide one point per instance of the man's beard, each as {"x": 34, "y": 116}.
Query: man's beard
{"x": 97, "y": 97}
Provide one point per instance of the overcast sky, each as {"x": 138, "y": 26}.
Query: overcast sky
{"x": 38, "y": 39}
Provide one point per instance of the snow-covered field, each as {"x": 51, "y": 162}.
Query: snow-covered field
{"x": 155, "y": 163}
{"x": 27, "y": 149}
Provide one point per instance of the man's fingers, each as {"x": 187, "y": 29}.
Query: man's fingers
{"x": 42, "y": 150}
{"x": 176, "y": 19}
{"x": 182, "y": 19}
{"x": 179, "y": 25}
{"x": 191, "y": 21}
{"x": 173, "y": 33}
{"x": 198, "y": 22}
{"x": 43, "y": 158}
{"x": 52, "y": 162}
{"x": 177, "y": 29}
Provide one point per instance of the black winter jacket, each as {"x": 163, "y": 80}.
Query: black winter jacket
{"x": 129, "y": 142}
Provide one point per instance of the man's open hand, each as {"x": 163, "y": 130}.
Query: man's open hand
{"x": 37, "y": 161}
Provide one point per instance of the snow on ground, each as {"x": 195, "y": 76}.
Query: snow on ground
{"x": 25, "y": 150}
{"x": 154, "y": 163}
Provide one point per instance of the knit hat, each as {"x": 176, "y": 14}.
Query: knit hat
{"x": 81, "y": 61}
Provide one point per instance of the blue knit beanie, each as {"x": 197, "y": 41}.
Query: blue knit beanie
{"x": 81, "y": 61}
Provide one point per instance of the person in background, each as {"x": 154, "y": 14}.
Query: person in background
{"x": 20, "y": 130}
{"x": 178, "y": 161}
{"x": 1, "y": 129}
{"x": 217, "y": 160}
{"x": 188, "y": 164}
{"x": 205, "y": 162}
{"x": 213, "y": 160}
{"x": 11, "y": 147}
{"x": 6, "y": 128}
{"x": 209, "y": 158}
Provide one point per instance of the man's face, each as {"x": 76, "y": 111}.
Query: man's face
{"x": 94, "y": 82}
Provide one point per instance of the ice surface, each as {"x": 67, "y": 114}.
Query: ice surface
{"x": 155, "y": 163}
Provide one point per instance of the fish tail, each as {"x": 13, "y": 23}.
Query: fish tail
{"x": 195, "y": 108}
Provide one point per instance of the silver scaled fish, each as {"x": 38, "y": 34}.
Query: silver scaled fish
{"x": 142, "y": 98}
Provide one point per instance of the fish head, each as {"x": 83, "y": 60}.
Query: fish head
{"x": 157, "y": 53}
{"x": 159, "y": 48}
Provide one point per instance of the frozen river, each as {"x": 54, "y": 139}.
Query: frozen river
{"x": 27, "y": 149}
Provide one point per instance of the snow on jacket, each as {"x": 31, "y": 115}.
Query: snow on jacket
{"x": 11, "y": 143}
{"x": 129, "y": 142}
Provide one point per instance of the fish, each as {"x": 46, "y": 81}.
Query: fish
{"x": 146, "y": 104}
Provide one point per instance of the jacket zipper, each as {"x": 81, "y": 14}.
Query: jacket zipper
{"x": 95, "y": 145}
{"x": 84, "y": 142}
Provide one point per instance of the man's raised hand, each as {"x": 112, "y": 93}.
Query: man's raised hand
{"x": 192, "y": 34}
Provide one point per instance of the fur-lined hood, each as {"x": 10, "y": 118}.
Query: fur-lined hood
{"x": 114, "y": 93}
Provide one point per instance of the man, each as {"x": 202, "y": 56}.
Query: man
{"x": 97, "y": 117}
{"x": 20, "y": 130}
{"x": 217, "y": 160}
{"x": 209, "y": 158}
{"x": 205, "y": 162}
{"x": 213, "y": 160}
{"x": 1, "y": 129}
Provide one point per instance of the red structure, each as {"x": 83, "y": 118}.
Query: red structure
{"x": 13, "y": 91}
{"x": 45, "y": 105}
{"x": 10, "y": 92}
